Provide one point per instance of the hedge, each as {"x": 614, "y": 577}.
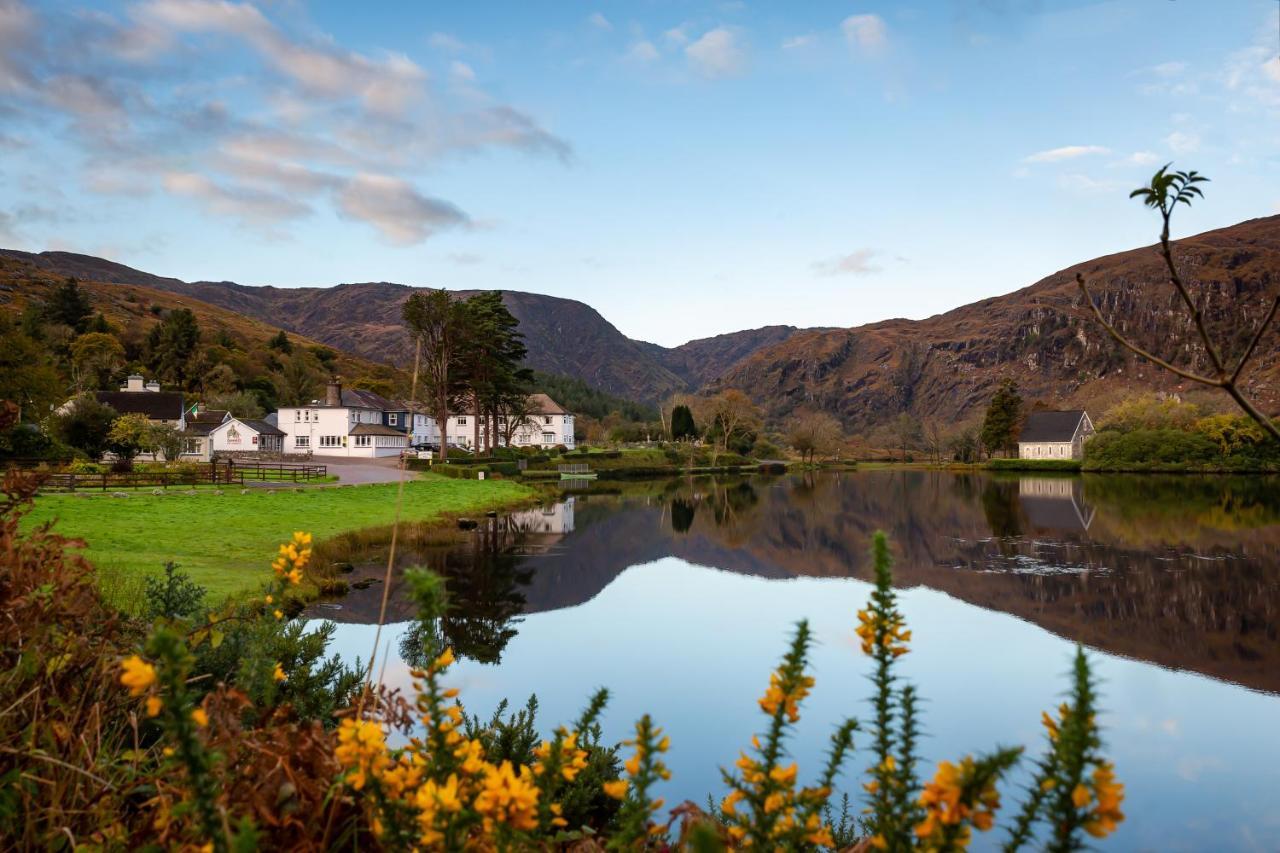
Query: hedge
{"x": 1034, "y": 465}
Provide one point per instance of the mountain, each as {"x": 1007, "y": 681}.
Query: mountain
{"x": 564, "y": 336}
{"x": 1043, "y": 336}
{"x": 944, "y": 367}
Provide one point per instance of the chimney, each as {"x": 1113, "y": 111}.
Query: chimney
{"x": 153, "y": 385}
{"x": 333, "y": 393}
{"x": 133, "y": 383}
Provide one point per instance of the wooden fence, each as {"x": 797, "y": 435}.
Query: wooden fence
{"x": 68, "y": 481}
{"x": 226, "y": 473}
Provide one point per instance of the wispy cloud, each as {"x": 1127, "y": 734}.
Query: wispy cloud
{"x": 865, "y": 33}
{"x": 599, "y": 21}
{"x": 1066, "y": 152}
{"x": 643, "y": 51}
{"x": 718, "y": 53}
{"x": 307, "y": 124}
{"x": 1085, "y": 184}
{"x": 1142, "y": 158}
{"x": 1182, "y": 142}
{"x": 401, "y": 214}
{"x": 858, "y": 262}
{"x": 799, "y": 42}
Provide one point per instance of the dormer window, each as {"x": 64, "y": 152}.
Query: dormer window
{"x": 393, "y": 419}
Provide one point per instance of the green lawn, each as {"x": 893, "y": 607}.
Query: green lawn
{"x": 226, "y": 542}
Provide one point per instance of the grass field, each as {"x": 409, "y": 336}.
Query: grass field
{"x": 226, "y": 542}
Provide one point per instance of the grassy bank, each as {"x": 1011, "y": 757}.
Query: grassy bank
{"x": 226, "y": 542}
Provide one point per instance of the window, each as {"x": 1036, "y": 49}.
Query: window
{"x": 363, "y": 440}
{"x": 393, "y": 418}
{"x": 331, "y": 440}
{"x": 548, "y": 438}
{"x": 547, "y": 420}
{"x": 297, "y": 415}
{"x": 462, "y": 420}
{"x": 302, "y": 441}
{"x": 192, "y": 445}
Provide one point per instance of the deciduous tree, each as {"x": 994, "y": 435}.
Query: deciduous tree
{"x": 814, "y": 433}
{"x": 95, "y": 356}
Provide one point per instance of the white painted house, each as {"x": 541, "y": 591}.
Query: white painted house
{"x": 1055, "y": 435}
{"x": 243, "y": 435}
{"x": 345, "y": 423}
{"x": 547, "y": 424}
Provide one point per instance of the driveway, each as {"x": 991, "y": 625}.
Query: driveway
{"x": 347, "y": 470}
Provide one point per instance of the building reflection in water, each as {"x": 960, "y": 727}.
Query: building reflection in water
{"x": 1177, "y": 571}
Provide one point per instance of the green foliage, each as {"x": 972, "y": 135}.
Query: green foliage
{"x": 130, "y": 435}
{"x": 86, "y": 426}
{"x": 1148, "y": 449}
{"x": 173, "y": 595}
{"x": 1004, "y": 415}
{"x": 171, "y": 347}
{"x": 682, "y": 425}
{"x": 27, "y": 374}
{"x": 280, "y": 343}
{"x": 1034, "y": 464}
{"x": 69, "y": 306}
{"x": 582, "y": 399}
{"x": 1170, "y": 188}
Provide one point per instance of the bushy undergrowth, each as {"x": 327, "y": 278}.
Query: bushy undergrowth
{"x": 228, "y": 729}
{"x": 1155, "y": 434}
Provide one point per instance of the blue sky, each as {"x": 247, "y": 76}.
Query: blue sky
{"x": 686, "y": 168}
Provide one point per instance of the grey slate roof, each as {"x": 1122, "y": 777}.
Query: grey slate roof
{"x": 368, "y": 400}
{"x": 1051, "y": 426}
{"x": 156, "y": 405}
{"x": 261, "y": 427}
{"x": 374, "y": 429}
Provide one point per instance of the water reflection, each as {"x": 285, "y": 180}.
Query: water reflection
{"x": 1175, "y": 571}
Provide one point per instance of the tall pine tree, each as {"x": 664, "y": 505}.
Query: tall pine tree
{"x": 1004, "y": 415}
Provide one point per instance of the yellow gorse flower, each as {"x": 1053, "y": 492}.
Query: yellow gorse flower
{"x": 945, "y": 805}
{"x": 1109, "y": 794}
{"x": 508, "y": 797}
{"x": 292, "y": 558}
{"x": 137, "y": 675}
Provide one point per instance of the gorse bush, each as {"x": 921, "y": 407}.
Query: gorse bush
{"x": 227, "y": 729}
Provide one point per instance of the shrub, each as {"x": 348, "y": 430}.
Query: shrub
{"x": 1150, "y": 449}
{"x": 1034, "y": 464}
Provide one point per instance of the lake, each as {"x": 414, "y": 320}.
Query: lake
{"x": 680, "y": 597}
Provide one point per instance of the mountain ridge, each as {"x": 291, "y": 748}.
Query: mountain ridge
{"x": 943, "y": 367}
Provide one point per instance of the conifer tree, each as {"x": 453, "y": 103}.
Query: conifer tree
{"x": 1004, "y": 414}
{"x": 69, "y": 306}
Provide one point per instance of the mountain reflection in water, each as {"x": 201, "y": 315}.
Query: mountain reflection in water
{"x": 1178, "y": 571}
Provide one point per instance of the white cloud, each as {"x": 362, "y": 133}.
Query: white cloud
{"x": 1066, "y": 152}
{"x": 799, "y": 42}
{"x": 859, "y": 262}
{"x": 1143, "y": 158}
{"x": 866, "y": 33}
{"x": 1181, "y": 142}
{"x": 678, "y": 36}
{"x": 251, "y": 206}
{"x": 1168, "y": 69}
{"x": 599, "y": 21}
{"x": 461, "y": 70}
{"x": 446, "y": 42}
{"x": 719, "y": 53}
{"x": 401, "y": 214}
{"x": 1085, "y": 184}
{"x": 643, "y": 51}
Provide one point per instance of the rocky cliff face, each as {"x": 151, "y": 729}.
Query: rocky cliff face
{"x": 1043, "y": 336}
{"x": 944, "y": 367}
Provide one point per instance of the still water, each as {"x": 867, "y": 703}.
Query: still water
{"x": 680, "y": 597}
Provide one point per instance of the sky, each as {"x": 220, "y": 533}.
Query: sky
{"x": 687, "y": 168}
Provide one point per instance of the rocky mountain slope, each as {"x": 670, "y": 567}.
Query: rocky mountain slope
{"x": 1043, "y": 336}
{"x": 564, "y": 336}
{"x": 943, "y": 368}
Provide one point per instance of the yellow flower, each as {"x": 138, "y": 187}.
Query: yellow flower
{"x": 616, "y": 788}
{"x": 508, "y": 797}
{"x": 445, "y": 659}
{"x": 279, "y": 614}
{"x": 270, "y": 599}
{"x": 278, "y": 674}
{"x": 1080, "y": 796}
{"x": 137, "y": 675}
{"x": 154, "y": 704}
{"x": 200, "y": 718}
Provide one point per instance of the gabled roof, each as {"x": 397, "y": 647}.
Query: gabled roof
{"x": 156, "y": 405}
{"x": 208, "y": 416}
{"x": 1051, "y": 426}
{"x": 541, "y": 404}
{"x": 260, "y": 427}
{"x": 375, "y": 429}
{"x": 360, "y": 398}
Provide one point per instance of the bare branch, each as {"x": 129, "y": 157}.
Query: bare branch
{"x": 1253, "y": 344}
{"x": 1197, "y": 315}
{"x": 1137, "y": 350}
